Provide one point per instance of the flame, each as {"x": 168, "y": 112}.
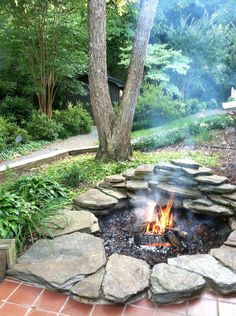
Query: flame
{"x": 163, "y": 219}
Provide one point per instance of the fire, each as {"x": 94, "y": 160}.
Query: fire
{"x": 158, "y": 223}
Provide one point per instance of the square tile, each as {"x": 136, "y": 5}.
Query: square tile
{"x": 50, "y": 301}
{"x": 202, "y": 307}
{"x": 41, "y": 313}
{"x": 144, "y": 302}
{"x": 9, "y": 309}
{"x": 25, "y": 294}
{"x": 6, "y": 288}
{"x": 209, "y": 296}
{"x": 74, "y": 308}
{"x": 107, "y": 310}
{"x": 180, "y": 309}
{"x": 226, "y": 309}
{"x": 137, "y": 311}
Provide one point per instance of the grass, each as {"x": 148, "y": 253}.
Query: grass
{"x": 190, "y": 130}
{"x": 13, "y": 151}
{"x": 89, "y": 172}
{"x": 176, "y": 124}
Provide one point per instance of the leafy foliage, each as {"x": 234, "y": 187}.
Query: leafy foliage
{"x": 16, "y": 109}
{"x": 43, "y": 128}
{"x": 11, "y": 133}
{"x": 15, "y": 214}
{"x": 75, "y": 120}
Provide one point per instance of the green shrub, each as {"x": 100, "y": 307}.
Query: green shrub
{"x": 75, "y": 120}
{"x": 194, "y": 105}
{"x": 11, "y": 134}
{"x": 155, "y": 108}
{"x": 38, "y": 189}
{"x": 17, "y": 110}
{"x": 43, "y": 128}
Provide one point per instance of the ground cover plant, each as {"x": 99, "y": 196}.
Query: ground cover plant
{"x": 84, "y": 171}
{"x": 26, "y": 204}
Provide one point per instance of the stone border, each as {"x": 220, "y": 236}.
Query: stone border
{"x": 33, "y": 162}
{"x": 95, "y": 279}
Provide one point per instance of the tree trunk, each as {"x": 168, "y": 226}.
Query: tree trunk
{"x": 114, "y": 132}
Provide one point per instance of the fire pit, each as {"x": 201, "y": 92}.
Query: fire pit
{"x": 169, "y": 219}
{"x": 155, "y": 233}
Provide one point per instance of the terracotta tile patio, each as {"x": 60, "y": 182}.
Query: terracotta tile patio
{"x": 20, "y": 299}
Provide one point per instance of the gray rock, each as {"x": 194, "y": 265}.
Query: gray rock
{"x": 167, "y": 166}
{"x": 117, "y": 178}
{"x": 213, "y": 209}
{"x": 204, "y": 202}
{"x": 125, "y": 276}
{"x": 214, "y": 179}
{"x": 144, "y": 170}
{"x": 197, "y": 172}
{"x": 135, "y": 185}
{"x": 170, "y": 284}
{"x": 94, "y": 199}
{"x": 67, "y": 222}
{"x": 219, "y": 199}
{"x": 220, "y": 278}
{"x": 90, "y": 286}
{"x": 118, "y": 194}
{"x": 223, "y": 188}
{"x": 104, "y": 184}
{"x": 188, "y": 163}
{"x": 231, "y": 241}
{"x": 179, "y": 191}
{"x": 184, "y": 181}
{"x": 129, "y": 173}
{"x": 226, "y": 255}
{"x": 62, "y": 262}
{"x": 121, "y": 185}
{"x": 232, "y": 223}
{"x": 231, "y": 196}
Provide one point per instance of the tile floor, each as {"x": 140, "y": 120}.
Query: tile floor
{"x": 20, "y": 299}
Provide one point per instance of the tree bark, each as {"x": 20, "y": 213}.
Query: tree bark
{"x": 114, "y": 131}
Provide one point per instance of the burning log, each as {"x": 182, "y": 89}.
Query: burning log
{"x": 151, "y": 240}
{"x": 173, "y": 239}
{"x": 180, "y": 233}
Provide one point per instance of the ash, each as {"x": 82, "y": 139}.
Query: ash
{"x": 119, "y": 228}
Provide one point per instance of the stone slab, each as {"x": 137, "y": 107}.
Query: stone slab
{"x": 117, "y": 178}
{"x": 179, "y": 191}
{"x": 125, "y": 276}
{"x": 213, "y": 179}
{"x": 231, "y": 196}
{"x": 187, "y": 163}
{"x": 214, "y": 209}
{"x": 231, "y": 240}
{"x": 167, "y": 166}
{"x": 226, "y": 255}
{"x": 218, "y": 198}
{"x": 219, "y": 277}
{"x": 95, "y": 199}
{"x": 90, "y": 286}
{"x": 136, "y": 185}
{"x": 223, "y": 188}
{"x": 67, "y": 222}
{"x": 170, "y": 284}
{"x": 62, "y": 262}
{"x": 117, "y": 194}
{"x": 197, "y": 172}
{"x": 145, "y": 170}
